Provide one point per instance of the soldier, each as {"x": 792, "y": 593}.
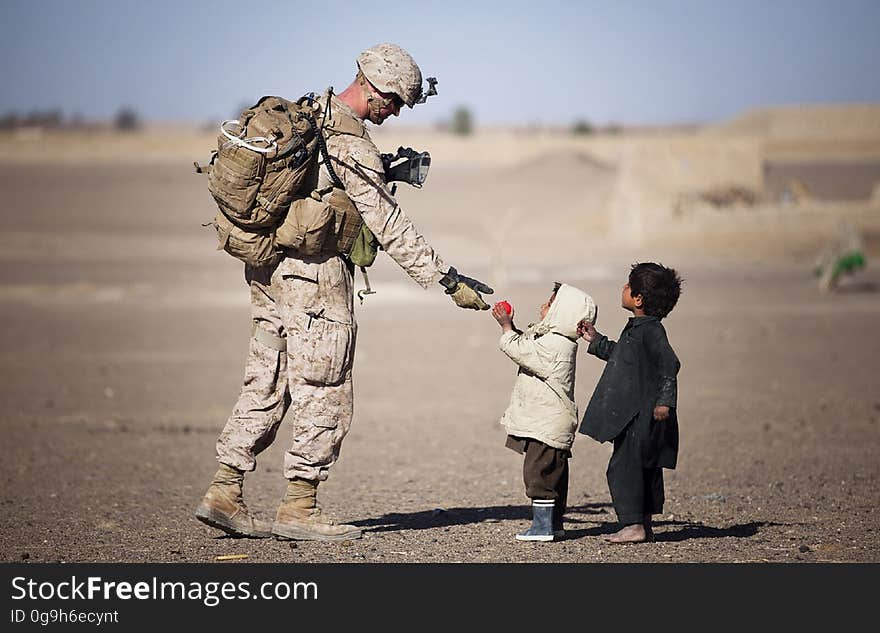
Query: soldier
{"x": 304, "y": 329}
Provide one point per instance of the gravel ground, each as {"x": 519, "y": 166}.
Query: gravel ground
{"x": 123, "y": 345}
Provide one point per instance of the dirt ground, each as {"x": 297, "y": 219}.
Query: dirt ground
{"x": 125, "y": 334}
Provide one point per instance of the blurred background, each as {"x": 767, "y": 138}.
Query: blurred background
{"x": 738, "y": 142}
{"x": 617, "y": 119}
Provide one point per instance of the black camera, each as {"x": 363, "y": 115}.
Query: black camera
{"x": 407, "y": 165}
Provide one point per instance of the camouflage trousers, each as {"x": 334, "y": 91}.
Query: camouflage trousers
{"x": 307, "y": 304}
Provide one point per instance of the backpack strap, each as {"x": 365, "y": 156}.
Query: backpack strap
{"x": 345, "y": 125}
{"x": 335, "y": 125}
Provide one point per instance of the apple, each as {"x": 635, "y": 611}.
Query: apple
{"x": 507, "y": 307}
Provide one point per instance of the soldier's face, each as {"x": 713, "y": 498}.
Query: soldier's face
{"x": 392, "y": 107}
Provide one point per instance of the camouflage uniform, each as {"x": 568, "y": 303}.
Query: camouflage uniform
{"x": 308, "y": 302}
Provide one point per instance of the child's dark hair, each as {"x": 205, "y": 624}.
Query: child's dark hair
{"x": 659, "y": 286}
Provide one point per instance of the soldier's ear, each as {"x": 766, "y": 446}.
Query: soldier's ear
{"x": 637, "y": 300}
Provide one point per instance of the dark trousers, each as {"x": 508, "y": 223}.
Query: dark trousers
{"x": 545, "y": 471}
{"x": 636, "y": 491}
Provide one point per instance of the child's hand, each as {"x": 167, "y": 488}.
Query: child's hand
{"x": 661, "y": 413}
{"x": 587, "y": 331}
{"x": 504, "y": 319}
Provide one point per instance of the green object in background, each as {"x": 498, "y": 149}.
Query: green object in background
{"x": 849, "y": 262}
{"x": 834, "y": 265}
{"x": 841, "y": 264}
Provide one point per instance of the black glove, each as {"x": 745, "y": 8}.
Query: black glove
{"x": 465, "y": 291}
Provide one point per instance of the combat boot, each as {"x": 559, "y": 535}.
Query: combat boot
{"x": 542, "y": 522}
{"x": 300, "y": 518}
{"x": 223, "y": 506}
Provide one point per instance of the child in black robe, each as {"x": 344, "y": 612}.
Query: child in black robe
{"x": 634, "y": 403}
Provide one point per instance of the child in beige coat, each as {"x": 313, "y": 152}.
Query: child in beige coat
{"x": 542, "y": 416}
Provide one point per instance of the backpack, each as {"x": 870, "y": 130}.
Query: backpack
{"x": 262, "y": 177}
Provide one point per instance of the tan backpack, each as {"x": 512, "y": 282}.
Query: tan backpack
{"x": 261, "y": 162}
{"x": 262, "y": 177}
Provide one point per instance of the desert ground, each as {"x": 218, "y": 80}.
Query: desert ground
{"x": 125, "y": 334}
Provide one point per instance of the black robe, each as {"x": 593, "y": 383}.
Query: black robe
{"x": 640, "y": 374}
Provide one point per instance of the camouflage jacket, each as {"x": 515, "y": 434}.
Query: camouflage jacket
{"x": 356, "y": 161}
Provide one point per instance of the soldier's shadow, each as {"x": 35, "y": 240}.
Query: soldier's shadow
{"x": 445, "y": 517}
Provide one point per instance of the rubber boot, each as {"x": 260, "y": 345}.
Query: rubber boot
{"x": 558, "y": 512}
{"x": 542, "y": 522}
{"x": 223, "y": 506}
{"x": 300, "y": 518}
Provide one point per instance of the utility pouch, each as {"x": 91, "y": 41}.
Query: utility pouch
{"x": 235, "y": 178}
{"x": 255, "y": 247}
{"x": 353, "y": 238}
{"x": 324, "y": 350}
{"x": 306, "y": 227}
{"x": 365, "y": 248}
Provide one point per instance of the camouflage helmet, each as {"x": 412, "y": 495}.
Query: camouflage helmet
{"x": 391, "y": 69}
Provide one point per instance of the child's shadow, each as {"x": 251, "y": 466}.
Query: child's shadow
{"x": 698, "y": 530}
{"x": 688, "y": 530}
{"x": 444, "y": 517}
{"x": 439, "y": 517}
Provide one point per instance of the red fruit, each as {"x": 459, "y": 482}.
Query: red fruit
{"x": 507, "y": 307}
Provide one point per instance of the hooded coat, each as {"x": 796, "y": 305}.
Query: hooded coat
{"x": 542, "y": 405}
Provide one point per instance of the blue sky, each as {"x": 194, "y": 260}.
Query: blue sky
{"x": 551, "y": 62}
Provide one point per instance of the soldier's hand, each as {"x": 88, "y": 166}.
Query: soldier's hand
{"x": 465, "y": 291}
{"x": 661, "y": 412}
{"x": 466, "y": 296}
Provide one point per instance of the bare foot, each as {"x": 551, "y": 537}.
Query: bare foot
{"x": 631, "y": 534}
